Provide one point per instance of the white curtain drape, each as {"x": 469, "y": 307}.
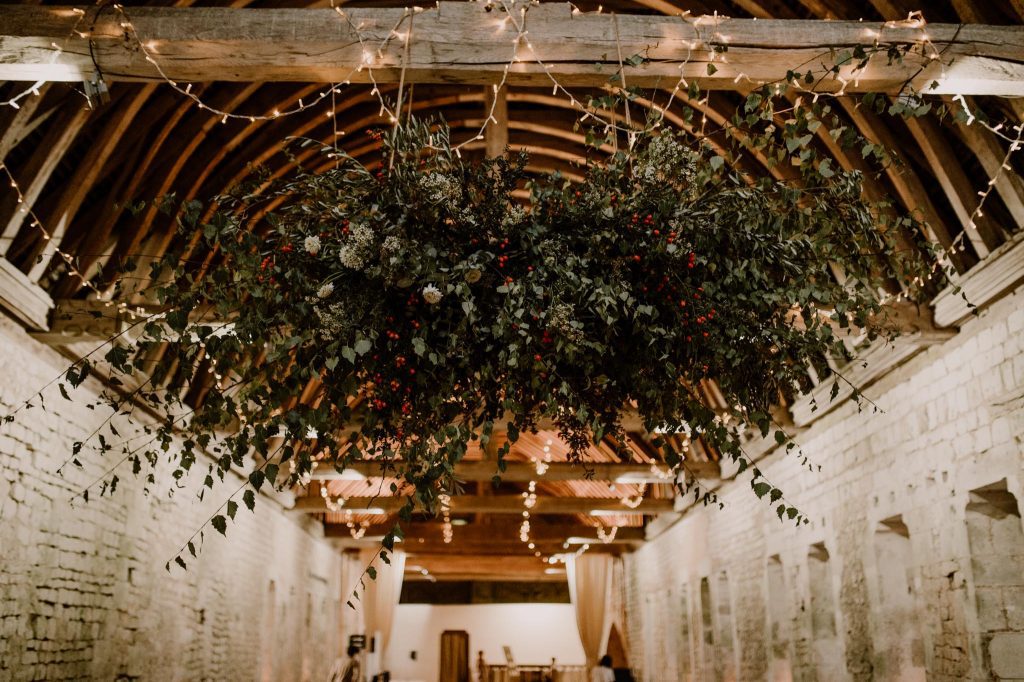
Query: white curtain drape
{"x": 349, "y": 618}
{"x": 590, "y": 582}
{"x": 380, "y": 598}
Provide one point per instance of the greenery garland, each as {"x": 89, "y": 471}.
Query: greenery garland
{"x": 423, "y": 304}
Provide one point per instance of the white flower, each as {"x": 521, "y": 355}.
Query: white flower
{"x": 325, "y": 291}
{"x": 515, "y": 216}
{"x": 440, "y": 188}
{"x": 392, "y": 244}
{"x": 350, "y": 257}
{"x": 432, "y": 294}
{"x": 473, "y": 276}
{"x": 311, "y": 433}
{"x": 312, "y": 245}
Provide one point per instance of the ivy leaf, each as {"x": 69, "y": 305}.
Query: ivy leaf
{"x": 331, "y": 363}
{"x": 256, "y": 479}
{"x": 349, "y": 354}
{"x": 363, "y": 346}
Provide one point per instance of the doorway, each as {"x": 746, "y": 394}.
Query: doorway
{"x": 454, "y": 656}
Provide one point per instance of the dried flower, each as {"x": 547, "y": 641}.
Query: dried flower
{"x": 312, "y": 245}
{"x": 432, "y": 294}
{"x": 325, "y": 291}
{"x": 473, "y": 275}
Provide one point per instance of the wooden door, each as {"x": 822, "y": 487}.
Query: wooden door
{"x": 454, "y": 656}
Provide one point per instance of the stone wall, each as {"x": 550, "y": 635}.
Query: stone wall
{"x": 913, "y": 564}
{"x": 83, "y": 589}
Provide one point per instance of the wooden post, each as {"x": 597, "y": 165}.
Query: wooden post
{"x": 496, "y": 107}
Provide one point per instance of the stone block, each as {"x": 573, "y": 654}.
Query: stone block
{"x": 1006, "y": 652}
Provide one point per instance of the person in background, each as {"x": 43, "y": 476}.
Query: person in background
{"x": 481, "y": 667}
{"x": 353, "y": 669}
{"x": 603, "y": 672}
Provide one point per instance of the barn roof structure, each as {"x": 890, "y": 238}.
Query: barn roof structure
{"x": 185, "y": 100}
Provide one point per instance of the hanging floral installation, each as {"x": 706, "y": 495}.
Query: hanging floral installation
{"x": 404, "y": 311}
{"x": 421, "y": 305}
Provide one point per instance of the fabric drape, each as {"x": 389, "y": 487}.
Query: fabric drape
{"x": 590, "y": 581}
{"x": 380, "y": 599}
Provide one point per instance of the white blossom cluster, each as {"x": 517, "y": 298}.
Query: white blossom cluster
{"x": 334, "y": 321}
{"x": 561, "y": 319}
{"x": 665, "y": 157}
{"x": 440, "y": 188}
{"x": 353, "y": 254}
{"x": 515, "y": 216}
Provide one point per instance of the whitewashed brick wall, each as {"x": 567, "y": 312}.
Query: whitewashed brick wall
{"x": 83, "y": 589}
{"x": 952, "y": 422}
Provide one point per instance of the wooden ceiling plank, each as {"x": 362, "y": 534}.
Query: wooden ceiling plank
{"x": 36, "y": 174}
{"x": 21, "y": 122}
{"x": 948, "y": 170}
{"x": 904, "y": 180}
{"x": 991, "y": 154}
{"x": 202, "y": 44}
{"x": 86, "y": 173}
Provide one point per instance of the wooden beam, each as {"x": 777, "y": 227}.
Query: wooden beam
{"x": 477, "y": 567}
{"x": 465, "y": 43}
{"x": 496, "y": 533}
{"x": 22, "y": 298}
{"x": 521, "y": 472}
{"x": 498, "y": 504}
